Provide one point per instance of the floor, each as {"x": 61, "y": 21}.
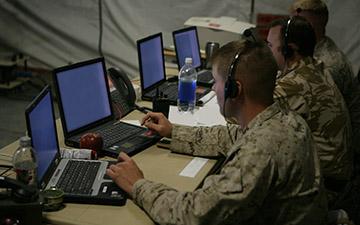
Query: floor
{"x": 13, "y": 103}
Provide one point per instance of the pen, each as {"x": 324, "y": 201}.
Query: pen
{"x": 144, "y": 110}
{"x": 147, "y": 121}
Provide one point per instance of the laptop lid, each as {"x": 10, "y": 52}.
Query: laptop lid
{"x": 186, "y": 44}
{"x": 83, "y": 93}
{"x": 151, "y": 62}
{"x": 41, "y": 127}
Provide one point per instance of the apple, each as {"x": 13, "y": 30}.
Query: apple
{"x": 92, "y": 141}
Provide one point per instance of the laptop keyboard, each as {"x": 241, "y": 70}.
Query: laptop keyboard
{"x": 114, "y": 133}
{"x": 205, "y": 76}
{"x": 118, "y": 132}
{"x": 169, "y": 90}
{"x": 78, "y": 177}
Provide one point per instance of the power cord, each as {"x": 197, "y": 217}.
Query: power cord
{"x": 8, "y": 168}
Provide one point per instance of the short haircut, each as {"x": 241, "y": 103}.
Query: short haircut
{"x": 316, "y": 7}
{"x": 256, "y": 68}
{"x": 299, "y": 32}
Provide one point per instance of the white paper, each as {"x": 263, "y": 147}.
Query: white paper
{"x": 208, "y": 115}
{"x": 133, "y": 122}
{"x": 193, "y": 167}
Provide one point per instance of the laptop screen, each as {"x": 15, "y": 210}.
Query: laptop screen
{"x": 151, "y": 60}
{"x": 83, "y": 94}
{"x": 41, "y": 128}
{"x": 187, "y": 45}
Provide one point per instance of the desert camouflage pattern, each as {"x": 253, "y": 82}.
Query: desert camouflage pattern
{"x": 339, "y": 67}
{"x": 271, "y": 175}
{"x": 306, "y": 89}
{"x": 335, "y": 63}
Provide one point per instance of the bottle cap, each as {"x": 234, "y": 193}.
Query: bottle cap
{"x": 188, "y": 60}
{"x": 25, "y": 141}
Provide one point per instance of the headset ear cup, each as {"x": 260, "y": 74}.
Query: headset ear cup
{"x": 287, "y": 51}
{"x": 226, "y": 89}
{"x": 231, "y": 89}
{"x": 284, "y": 51}
{"x": 290, "y": 51}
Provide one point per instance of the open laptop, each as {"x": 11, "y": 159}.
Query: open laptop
{"x": 85, "y": 106}
{"x": 186, "y": 44}
{"x": 83, "y": 181}
{"x": 152, "y": 72}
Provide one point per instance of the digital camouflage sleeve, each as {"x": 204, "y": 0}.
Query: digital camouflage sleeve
{"x": 271, "y": 176}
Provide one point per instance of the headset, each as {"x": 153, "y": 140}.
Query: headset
{"x": 20, "y": 192}
{"x": 231, "y": 89}
{"x": 287, "y": 50}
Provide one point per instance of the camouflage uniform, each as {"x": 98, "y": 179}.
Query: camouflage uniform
{"x": 339, "y": 67}
{"x": 336, "y": 64}
{"x": 305, "y": 89}
{"x": 271, "y": 176}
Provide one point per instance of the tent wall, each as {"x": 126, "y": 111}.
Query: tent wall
{"x": 54, "y": 33}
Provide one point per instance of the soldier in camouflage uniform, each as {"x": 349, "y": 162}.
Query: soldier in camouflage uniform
{"x": 335, "y": 61}
{"x": 271, "y": 174}
{"x": 303, "y": 87}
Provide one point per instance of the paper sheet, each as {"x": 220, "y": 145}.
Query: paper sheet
{"x": 208, "y": 115}
{"x": 133, "y": 122}
{"x": 193, "y": 167}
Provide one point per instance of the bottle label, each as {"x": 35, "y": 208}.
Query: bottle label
{"x": 26, "y": 172}
{"x": 187, "y": 90}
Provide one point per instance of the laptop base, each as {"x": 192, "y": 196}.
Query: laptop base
{"x": 109, "y": 194}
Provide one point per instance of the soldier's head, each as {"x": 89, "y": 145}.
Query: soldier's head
{"x": 244, "y": 72}
{"x": 314, "y": 11}
{"x": 290, "y": 40}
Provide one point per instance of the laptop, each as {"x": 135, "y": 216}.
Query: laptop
{"x": 186, "y": 44}
{"x": 152, "y": 72}
{"x": 94, "y": 186}
{"x": 85, "y": 106}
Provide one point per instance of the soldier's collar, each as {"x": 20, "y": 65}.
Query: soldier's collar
{"x": 265, "y": 115}
{"x": 303, "y": 62}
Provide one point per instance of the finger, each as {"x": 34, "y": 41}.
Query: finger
{"x": 111, "y": 173}
{"x": 145, "y": 118}
{"x": 115, "y": 168}
{"x": 153, "y": 126}
{"x": 155, "y": 116}
{"x": 123, "y": 157}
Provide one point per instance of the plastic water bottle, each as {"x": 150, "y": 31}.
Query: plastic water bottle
{"x": 25, "y": 163}
{"x": 187, "y": 87}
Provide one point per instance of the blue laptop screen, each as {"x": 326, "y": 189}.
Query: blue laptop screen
{"x": 43, "y": 133}
{"x": 187, "y": 46}
{"x": 152, "y": 61}
{"x": 84, "y": 95}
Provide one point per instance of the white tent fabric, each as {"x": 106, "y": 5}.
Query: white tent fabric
{"x": 55, "y": 33}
